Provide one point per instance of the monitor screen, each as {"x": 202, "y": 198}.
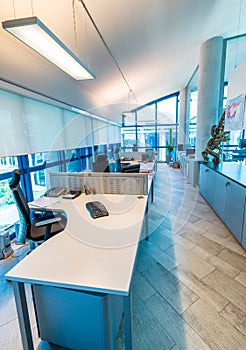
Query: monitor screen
{"x": 134, "y": 168}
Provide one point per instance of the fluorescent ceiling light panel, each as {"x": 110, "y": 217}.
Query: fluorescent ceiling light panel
{"x": 36, "y": 35}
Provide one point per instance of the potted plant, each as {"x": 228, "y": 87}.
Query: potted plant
{"x": 170, "y": 146}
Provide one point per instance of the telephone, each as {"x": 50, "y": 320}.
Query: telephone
{"x": 55, "y": 192}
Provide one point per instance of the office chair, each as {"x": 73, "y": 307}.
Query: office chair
{"x": 101, "y": 164}
{"x": 101, "y": 158}
{"x": 38, "y": 229}
{"x": 118, "y": 166}
{"x": 133, "y": 168}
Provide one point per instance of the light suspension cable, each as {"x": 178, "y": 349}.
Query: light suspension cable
{"x": 108, "y": 49}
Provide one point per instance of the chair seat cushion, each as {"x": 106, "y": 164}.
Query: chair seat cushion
{"x": 37, "y": 233}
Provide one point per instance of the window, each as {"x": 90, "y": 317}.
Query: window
{"x": 167, "y": 111}
{"x": 146, "y": 137}
{"x": 128, "y": 137}
{"x": 153, "y": 121}
{"x": 192, "y": 120}
{"x": 8, "y": 211}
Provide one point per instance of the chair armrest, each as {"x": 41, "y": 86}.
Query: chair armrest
{"x": 47, "y": 222}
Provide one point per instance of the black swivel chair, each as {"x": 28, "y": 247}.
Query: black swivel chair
{"x": 133, "y": 168}
{"x": 38, "y": 229}
{"x": 101, "y": 165}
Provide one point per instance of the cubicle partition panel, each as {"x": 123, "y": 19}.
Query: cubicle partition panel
{"x": 73, "y": 181}
{"x": 138, "y": 156}
{"x": 108, "y": 183}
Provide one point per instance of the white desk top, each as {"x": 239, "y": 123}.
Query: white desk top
{"x": 90, "y": 254}
{"x": 145, "y": 167}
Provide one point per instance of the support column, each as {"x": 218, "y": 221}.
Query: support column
{"x": 210, "y": 76}
{"x": 183, "y": 112}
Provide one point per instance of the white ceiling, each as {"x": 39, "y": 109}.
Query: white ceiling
{"x": 155, "y": 43}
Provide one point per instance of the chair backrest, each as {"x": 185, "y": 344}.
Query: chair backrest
{"x": 22, "y": 207}
{"x": 133, "y": 168}
{"x": 150, "y": 153}
{"x": 101, "y": 158}
{"x": 101, "y": 167}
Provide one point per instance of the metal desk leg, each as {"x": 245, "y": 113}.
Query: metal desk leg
{"x": 128, "y": 320}
{"x": 23, "y": 316}
{"x": 152, "y": 191}
{"x": 146, "y": 221}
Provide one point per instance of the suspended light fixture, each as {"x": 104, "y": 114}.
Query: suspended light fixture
{"x": 36, "y": 35}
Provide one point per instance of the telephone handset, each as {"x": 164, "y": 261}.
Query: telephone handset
{"x": 55, "y": 192}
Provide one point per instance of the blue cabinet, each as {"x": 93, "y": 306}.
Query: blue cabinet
{"x": 206, "y": 184}
{"x": 235, "y": 208}
{"x": 220, "y": 195}
{"x": 227, "y": 198}
{"x": 77, "y": 320}
{"x": 244, "y": 231}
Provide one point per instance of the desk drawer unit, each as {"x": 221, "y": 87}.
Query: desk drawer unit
{"x": 77, "y": 320}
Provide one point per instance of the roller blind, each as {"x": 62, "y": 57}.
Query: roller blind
{"x": 100, "y": 131}
{"x": 43, "y": 126}
{"x": 77, "y": 130}
{"x": 30, "y": 126}
{"x": 13, "y": 139}
{"x": 114, "y": 133}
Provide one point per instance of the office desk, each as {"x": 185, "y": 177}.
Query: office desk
{"x": 145, "y": 167}
{"x": 95, "y": 255}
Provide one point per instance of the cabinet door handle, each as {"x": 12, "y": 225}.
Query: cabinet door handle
{"x": 206, "y": 170}
{"x": 227, "y": 183}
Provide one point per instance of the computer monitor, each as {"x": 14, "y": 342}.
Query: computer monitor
{"x": 133, "y": 168}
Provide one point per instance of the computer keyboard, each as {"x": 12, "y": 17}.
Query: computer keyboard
{"x": 96, "y": 209}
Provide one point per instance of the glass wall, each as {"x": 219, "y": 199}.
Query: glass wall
{"x": 34, "y": 169}
{"x": 234, "y": 149}
{"x": 235, "y": 53}
{"x": 8, "y": 211}
{"x": 129, "y": 137}
{"x": 192, "y": 119}
{"x": 151, "y": 126}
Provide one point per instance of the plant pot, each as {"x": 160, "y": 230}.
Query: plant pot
{"x": 168, "y": 158}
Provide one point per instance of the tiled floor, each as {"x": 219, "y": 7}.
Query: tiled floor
{"x": 189, "y": 285}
